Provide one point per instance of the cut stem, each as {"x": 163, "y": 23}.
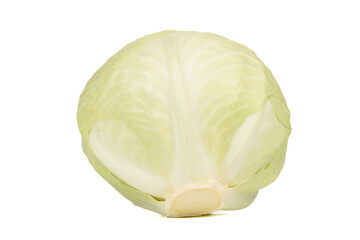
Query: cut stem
{"x": 195, "y": 199}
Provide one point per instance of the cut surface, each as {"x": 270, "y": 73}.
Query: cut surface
{"x": 195, "y": 199}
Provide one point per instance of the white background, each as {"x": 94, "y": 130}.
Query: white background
{"x": 48, "y": 51}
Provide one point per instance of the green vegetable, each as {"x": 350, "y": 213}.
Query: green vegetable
{"x": 185, "y": 123}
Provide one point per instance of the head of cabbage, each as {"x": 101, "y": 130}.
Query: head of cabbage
{"x": 185, "y": 123}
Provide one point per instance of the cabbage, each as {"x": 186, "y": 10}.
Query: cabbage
{"x": 185, "y": 123}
